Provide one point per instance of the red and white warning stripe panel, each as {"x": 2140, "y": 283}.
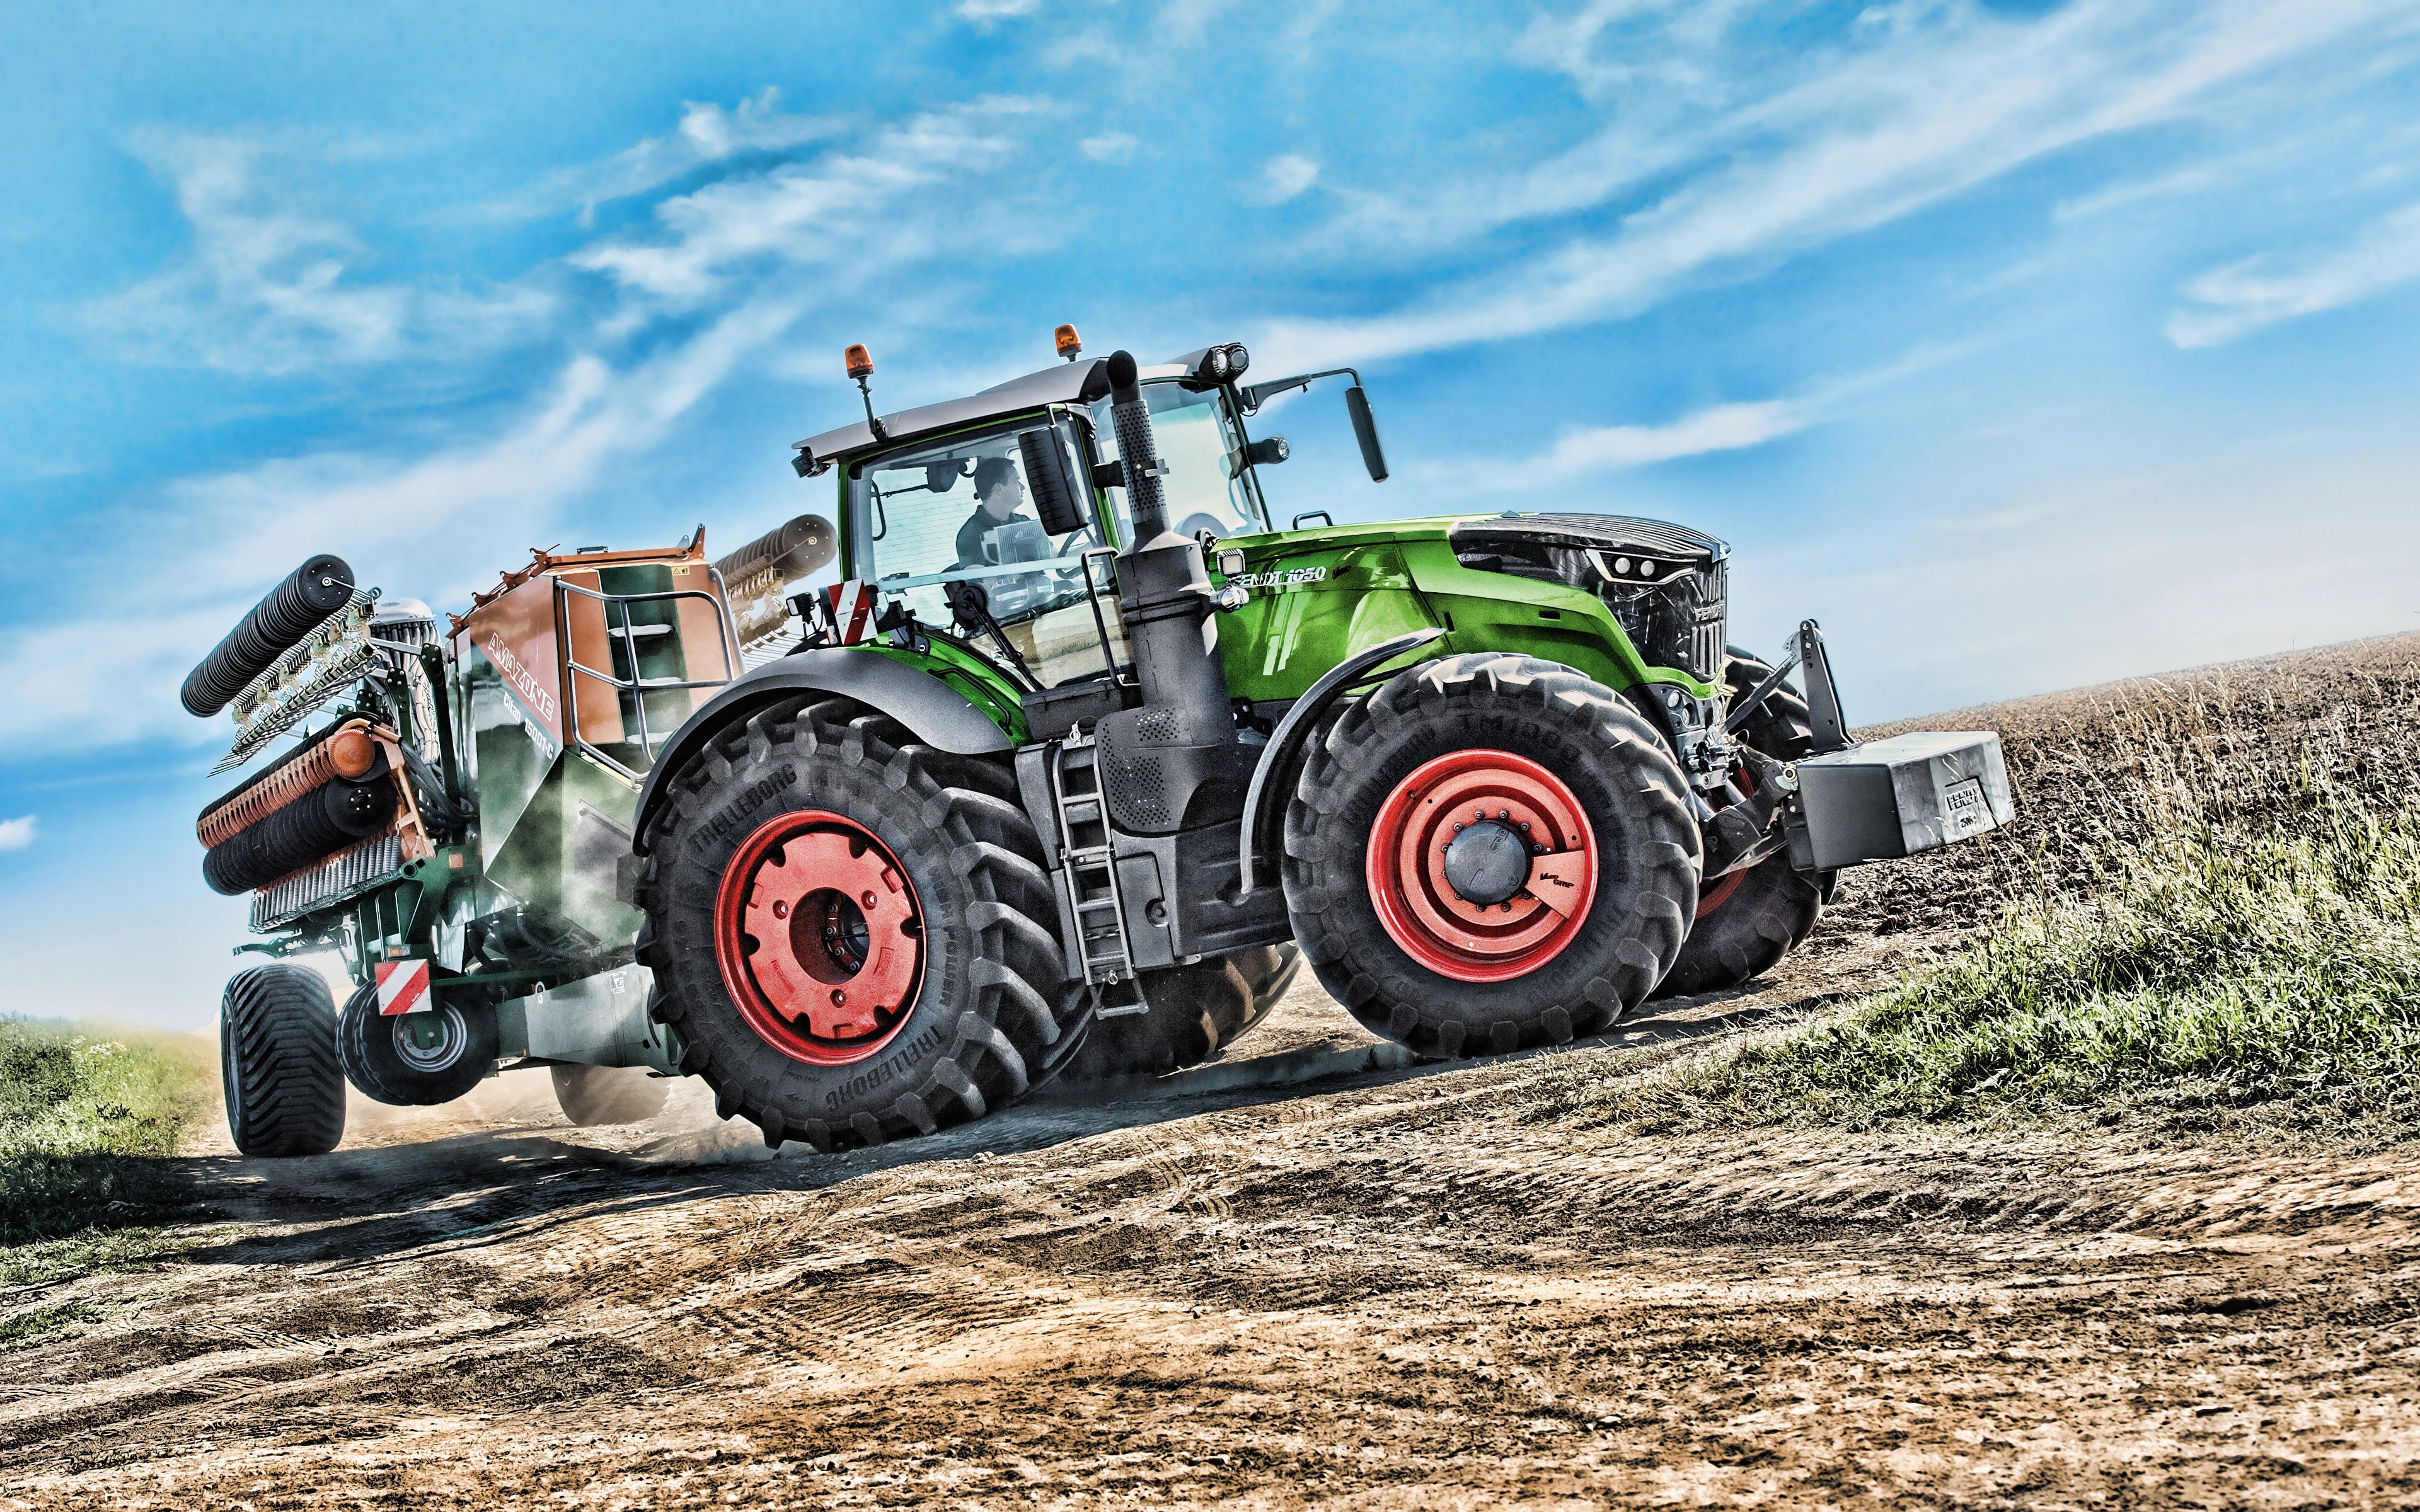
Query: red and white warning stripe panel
{"x": 852, "y": 610}
{"x": 403, "y": 987}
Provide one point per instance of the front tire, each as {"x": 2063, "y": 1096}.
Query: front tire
{"x": 277, "y": 1063}
{"x": 1574, "y": 895}
{"x": 1748, "y": 920}
{"x": 853, "y": 933}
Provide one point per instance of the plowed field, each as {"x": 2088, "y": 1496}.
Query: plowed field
{"x": 1307, "y": 1275}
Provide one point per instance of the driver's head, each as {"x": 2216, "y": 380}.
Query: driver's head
{"x": 997, "y": 488}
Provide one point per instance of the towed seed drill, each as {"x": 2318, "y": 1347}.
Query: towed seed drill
{"x": 1078, "y": 760}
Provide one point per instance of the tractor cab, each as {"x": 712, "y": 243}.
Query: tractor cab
{"x": 999, "y": 514}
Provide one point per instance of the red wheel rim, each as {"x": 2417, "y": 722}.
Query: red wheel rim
{"x": 820, "y": 938}
{"x": 1418, "y": 907}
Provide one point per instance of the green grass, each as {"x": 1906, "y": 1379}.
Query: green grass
{"x": 2222, "y": 963}
{"x": 39, "y": 1325}
{"x": 87, "y": 1122}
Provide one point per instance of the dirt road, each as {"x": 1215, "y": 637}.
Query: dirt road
{"x": 1389, "y": 1289}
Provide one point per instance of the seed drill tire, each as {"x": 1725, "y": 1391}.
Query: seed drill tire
{"x": 992, "y": 1016}
{"x": 595, "y": 1096}
{"x": 1744, "y": 930}
{"x": 1637, "y": 803}
{"x": 277, "y": 1062}
{"x": 1193, "y": 1012}
{"x": 375, "y": 1064}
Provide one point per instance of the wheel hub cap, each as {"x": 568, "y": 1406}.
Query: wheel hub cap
{"x": 820, "y": 938}
{"x": 1481, "y": 865}
{"x": 1486, "y": 863}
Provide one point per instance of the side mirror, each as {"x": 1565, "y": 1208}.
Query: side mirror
{"x": 1266, "y": 450}
{"x": 1365, "y": 430}
{"x": 1046, "y": 475}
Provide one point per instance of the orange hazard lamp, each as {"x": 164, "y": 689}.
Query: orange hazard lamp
{"x": 860, "y": 362}
{"x": 1069, "y": 344}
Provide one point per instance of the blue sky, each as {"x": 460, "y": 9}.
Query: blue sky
{"x": 2024, "y": 345}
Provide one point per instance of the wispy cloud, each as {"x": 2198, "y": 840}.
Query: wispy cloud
{"x": 2244, "y": 297}
{"x": 710, "y": 289}
{"x": 707, "y": 134}
{"x": 990, "y": 12}
{"x": 1593, "y": 451}
{"x": 1598, "y": 450}
{"x": 1283, "y": 178}
{"x": 438, "y": 523}
{"x": 809, "y": 213}
{"x": 16, "y": 834}
{"x": 1110, "y": 147}
{"x": 1937, "y": 99}
{"x": 268, "y": 287}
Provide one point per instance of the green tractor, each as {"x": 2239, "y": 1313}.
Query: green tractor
{"x": 1080, "y": 758}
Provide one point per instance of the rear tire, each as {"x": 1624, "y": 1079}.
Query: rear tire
{"x": 1748, "y": 921}
{"x": 277, "y": 1063}
{"x": 971, "y": 1010}
{"x": 384, "y": 1060}
{"x": 596, "y": 1096}
{"x": 1603, "y": 789}
{"x": 1195, "y": 1011}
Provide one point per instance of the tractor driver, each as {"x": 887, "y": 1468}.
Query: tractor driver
{"x": 999, "y": 493}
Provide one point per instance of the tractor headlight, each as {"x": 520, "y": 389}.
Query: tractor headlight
{"x": 1214, "y": 363}
{"x": 1238, "y": 360}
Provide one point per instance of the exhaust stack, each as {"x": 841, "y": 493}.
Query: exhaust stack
{"x": 1171, "y": 763}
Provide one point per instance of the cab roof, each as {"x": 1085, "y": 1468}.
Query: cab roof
{"x": 1077, "y": 383}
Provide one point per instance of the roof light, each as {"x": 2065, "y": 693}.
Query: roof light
{"x": 859, "y": 361}
{"x": 1237, "y": 359}
{"x": 1068, "y": 343}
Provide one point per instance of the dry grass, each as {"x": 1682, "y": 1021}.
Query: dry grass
{"x": 2209, "y": 917}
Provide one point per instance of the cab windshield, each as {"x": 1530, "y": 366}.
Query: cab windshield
{"x": 1207, "y": 485}
{"x": 962, "y": 511}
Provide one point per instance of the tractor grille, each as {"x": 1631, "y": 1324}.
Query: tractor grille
{"x": 351, "y": 871}
{"x": 1667, "y": 584}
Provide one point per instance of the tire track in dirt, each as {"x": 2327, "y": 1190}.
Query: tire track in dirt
{"x": 1392, "y": 1291}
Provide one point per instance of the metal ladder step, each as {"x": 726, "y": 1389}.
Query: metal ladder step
{"x": 1093, "y": 899}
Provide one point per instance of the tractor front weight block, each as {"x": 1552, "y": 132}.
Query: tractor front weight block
{"x": 1894, "y": 797}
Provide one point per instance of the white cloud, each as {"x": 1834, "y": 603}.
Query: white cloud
{"x": 1112, "y": 147}
{"x": 822, "y": 213}
{"x": 707, "y": 134}
{"x": 1602, "y": 449}
{"x": 267, "y": 287}
{"x": 433, "y": 527}
{"x": 988, "y": 12}
{"x": 2242, "y": 298}
{"x": 1725, "y": 428}
{"x": 1283, "y": 178}
{"x": 1943, "y": 99}
{"x": 436, "y": 519}
{"x": 16, "y": 834}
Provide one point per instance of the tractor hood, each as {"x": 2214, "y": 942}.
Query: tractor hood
{"x": 1525, "y": 543}
{"x": 1653, "y": 548}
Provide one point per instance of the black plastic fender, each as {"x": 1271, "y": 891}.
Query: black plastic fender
{"x": 1264, "y": 801}
{"x": 938, "y": 713}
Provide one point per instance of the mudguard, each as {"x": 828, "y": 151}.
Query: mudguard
{"x": 934, "y": 711}
{"x": 1273, "y": 775}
